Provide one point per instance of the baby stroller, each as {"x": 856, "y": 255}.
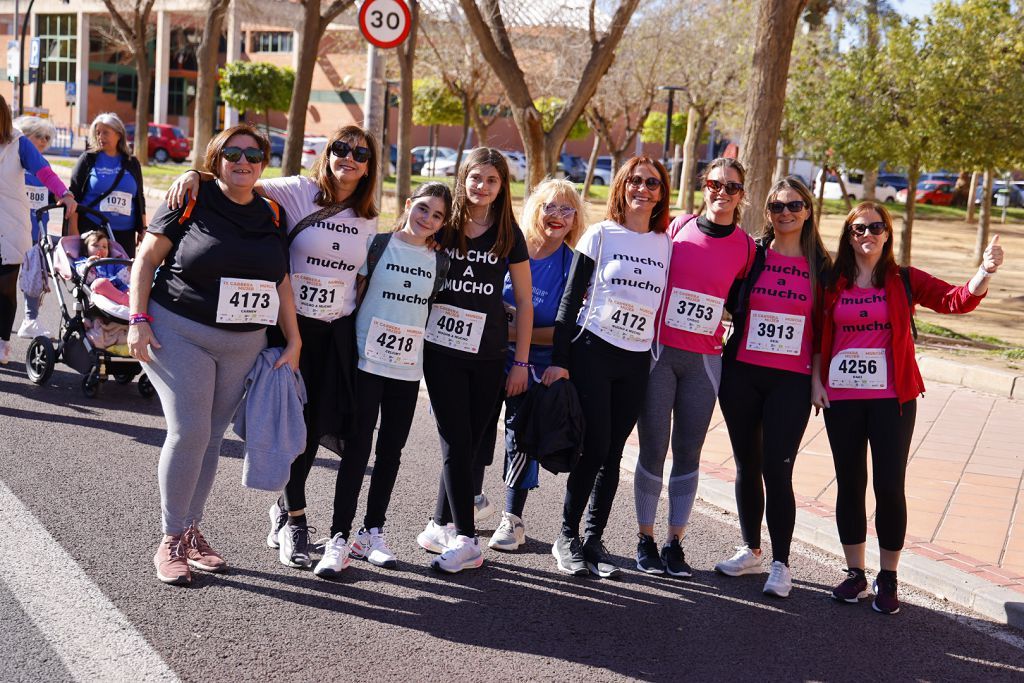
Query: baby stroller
{"x": 80, "y": 310}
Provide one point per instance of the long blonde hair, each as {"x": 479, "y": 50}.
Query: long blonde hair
{"x": 549, "y": 190}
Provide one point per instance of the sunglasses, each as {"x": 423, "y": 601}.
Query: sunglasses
{"x": 860, "y": 229}
{"x": 254, "y": 155}
{"x": 730, "y": 187}
{"x": 342, "y": 149}
{"x": 779, "y": 207}
{"x": 560, "y": 211}
{"x": 651, "y": 183}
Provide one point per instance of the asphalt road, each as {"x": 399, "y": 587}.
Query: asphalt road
{"x": 79, "y": 522}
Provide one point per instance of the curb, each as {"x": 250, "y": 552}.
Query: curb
{"x": 991, "y": 381}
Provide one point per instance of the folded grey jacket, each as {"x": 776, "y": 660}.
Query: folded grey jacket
{"x": 269, "y": 420}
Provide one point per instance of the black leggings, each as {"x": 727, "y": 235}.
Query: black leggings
{"x": 611, "y": 383}
{"x": 888, "y": 427}
{"x": 463, "y": 393}
{"x": 395, "y": 401}
{"x": 766, "y": 410}
{"x": 126, "y": 238}
{"x": 8, "y": 298}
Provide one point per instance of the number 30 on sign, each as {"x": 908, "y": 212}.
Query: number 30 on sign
{"x": 385, "y": 23}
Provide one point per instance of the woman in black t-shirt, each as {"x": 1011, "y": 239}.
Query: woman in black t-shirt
{"x": 200, "y": 324}
{"x": 466, "y": 343}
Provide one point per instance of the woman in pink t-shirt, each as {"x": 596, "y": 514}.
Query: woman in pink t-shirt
{"x": 766, "y": 376}
{"x": 869, "y": 383}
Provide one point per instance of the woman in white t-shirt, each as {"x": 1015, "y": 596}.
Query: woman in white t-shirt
{"x": 331, "y": 219}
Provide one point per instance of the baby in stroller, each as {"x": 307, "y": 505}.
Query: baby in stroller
{"x": 106, "y": 279}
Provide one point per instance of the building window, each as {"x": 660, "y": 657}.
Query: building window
{"x": 58, "y": 36}
{"x": 272, "y": 41}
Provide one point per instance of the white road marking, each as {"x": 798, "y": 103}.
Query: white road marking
{"x": 94, "y": 640}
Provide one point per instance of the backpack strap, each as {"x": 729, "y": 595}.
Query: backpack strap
{"x": 377, "y": 246}
{"x": 441, "y": 274}
{"x": 312, "y": 218}
{"x": 275, "y": 209}
{"x": 905, "y": 277}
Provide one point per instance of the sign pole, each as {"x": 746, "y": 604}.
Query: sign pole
{"x": 373, "y": 103}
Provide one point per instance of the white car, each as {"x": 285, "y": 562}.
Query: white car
{"x": 516, "y": 164}
{"x": 311, "y": 149}
{"x": 854, "y": 184}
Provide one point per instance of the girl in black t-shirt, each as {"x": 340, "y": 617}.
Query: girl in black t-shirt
{"x": 466, "y": 342}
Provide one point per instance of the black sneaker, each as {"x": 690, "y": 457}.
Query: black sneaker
{"x": 295, "y": 548}
{"x": 886, "y": 601}
{"x": 598, "y": 562}
{"x": 854, "y": 588}
{"x": 569, "y": 555}
{"x": 675, "y": 560}
{"x": 647, "y": 558}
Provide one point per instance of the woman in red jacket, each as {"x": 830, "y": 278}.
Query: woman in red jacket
{"x": 869, "y": 383}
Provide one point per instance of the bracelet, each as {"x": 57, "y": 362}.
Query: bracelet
{"x": 139, "y": 318}
{"x": 520, "y": 364}
{"x": 984, "y": 274}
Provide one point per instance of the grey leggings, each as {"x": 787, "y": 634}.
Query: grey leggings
{"x": 682, "y": 390}
{"x": 199, "y": 373}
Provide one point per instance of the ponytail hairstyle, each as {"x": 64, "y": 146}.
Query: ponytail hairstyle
{"x": 811, "y": 246}
{"x": 431, "y": 189}
{"x": 846, "y": 261}
{"x": 454, "y": 234}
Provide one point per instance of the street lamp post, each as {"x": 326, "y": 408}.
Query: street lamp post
{"x": 668, "y": 119}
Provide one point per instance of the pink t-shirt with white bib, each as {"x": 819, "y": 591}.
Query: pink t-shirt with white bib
{"x": 702, "y": 270}
{"x": 861, "y": 365}
{"x": 778, "y": 333}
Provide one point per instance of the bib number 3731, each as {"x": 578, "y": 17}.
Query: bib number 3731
{"x": 247, "y": 301}
{"x": 456, "y": 328}
{"x": 317, "y": 297}
{"x": 627, "y": 320}
{"x": 858, "y": 369}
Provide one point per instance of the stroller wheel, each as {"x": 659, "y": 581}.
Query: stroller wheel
{"x": 91, "y": 383}
{"x": 146, "y": 388}
{"x": 40, "y": 360}
{"x": 124, "y": 379}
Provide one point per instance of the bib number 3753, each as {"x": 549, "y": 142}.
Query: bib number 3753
{"x": 694, "y": 311}
{"x": 456, "y": 328}
{"x": 858, "y": 369}
{"x": 247, "y": 301}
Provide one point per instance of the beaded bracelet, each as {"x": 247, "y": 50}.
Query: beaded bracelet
{"x": 139, "y": 318}
{"x": 520, "y": 364}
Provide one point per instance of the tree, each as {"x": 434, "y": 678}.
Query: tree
{"x": 131, "y": 23}
{"x": 406, "y": 54}
{"x": 434, "y": 105}
{"x": 311, "y": 30}
{"x": 654, "y": 128}
{"x": 543, "y": 147}
{"x": 257, "y": 87}
{"x": 206, "y": 83}
{"x": 551, "y": 108}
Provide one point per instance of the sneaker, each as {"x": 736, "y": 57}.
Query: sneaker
{"x": 293, "y": 546}
{"x": 463, "y": 554}
{"x": 436, "y": 538}
{"x": 674, "y": 559}
{"x": 510, "y": 534}
{"x": 171, "y": 562}
{"x": 743, "y": 562}
{"x": 371, "y": 546}
{"x": 30, "y": 329}
{"x": 886, "y": 601}
{"x": 854, "y": 588}
{"x": 199, "y": 553}
{"x": 335, "y": 559}
{"x": 568, "y": 553}
{"x": 5, "y": 352}
{"x": 482, "y": 508}
{"x": 598, "y": 562}
{"x": 278, "y": 518}
{"x": 647, "y": 558}
{"x": 780, "y": 581}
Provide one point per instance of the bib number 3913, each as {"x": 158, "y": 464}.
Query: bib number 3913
{"x": 394, "y": 344}
{"x": 858, "y": 369}
{"x": 456, "y": 328}
{"x": 247, "y": 301}
{"x": 627, "y": 320}
{"x": 694, "y": 311}
{"x": 775, "y": 333}
{"x": 317, "y": 297}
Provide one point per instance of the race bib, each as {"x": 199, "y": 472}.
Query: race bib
{"x": 117, "y": 202}
{"x": 247, "y": 301}
{"x": 626, "y": 320}
{"x": 394, "y": 344}
{"x": 318, "y": 297}
{"x": 775, "y": 333}
{"x": 37, "y": 197}
{"x": 455, "y": 327}
{"x": 858, "y": 369}
{"x": 693, "y": 311}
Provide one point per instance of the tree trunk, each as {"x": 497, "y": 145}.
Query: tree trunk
{"x": 842, "y": 188}
{"x": 685, "y": 199}
{"x": 970, "y": 197}
{"x": 206, "y": 79}
{"x": 145, "y": 76}
{"x": 309, "y": 30}
{"x": 870, "y": 183}
{"x": 781, "y": 168}
{"x": 480, "y": 125}
{"x": 766, "y": 93}
{"x": 406, "y": 61}
{"x": 906, "y": 233}
{"x": 465, "y": 132}
{"x": 591, "y": 164}
{"x": 984, "y": 219}
{"x": 819, "y": 209}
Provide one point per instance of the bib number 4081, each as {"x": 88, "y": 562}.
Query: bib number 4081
{"x": 461, "y": 328}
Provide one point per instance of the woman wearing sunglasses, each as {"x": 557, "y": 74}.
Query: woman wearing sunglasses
{"x": 709, "y": 253}
{"x": 603, "y": 334}
{"x": 331, "y": 218}
{"x": 766, "y": 375}
{"x": 869, "y": 384}
{"x": 200, "y": 325}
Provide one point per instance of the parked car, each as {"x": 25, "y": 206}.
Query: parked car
{"x": 602, "y": 171}
{"x": 516, "y": 164}
{"x": 312, "y": 146}
{"x": 941, "y": 177}
{"x": 276, "y": 149}
{"x": 894, "y": 180}
{"x": 853, "y": 181}
{"x": 165, "y": 142}
{"x": 574, "y": 167}
{"x": 443, "y": 164}
{"x": 1016, "y": 196}
{"x": 937, "y": 192}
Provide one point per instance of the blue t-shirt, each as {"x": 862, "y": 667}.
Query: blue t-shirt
{"x": 549, "y": 278}
{"x": 119, "y": 206}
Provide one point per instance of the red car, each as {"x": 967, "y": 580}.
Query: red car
{"x": 930, "y": 192}
{"x": 165, "y": 142}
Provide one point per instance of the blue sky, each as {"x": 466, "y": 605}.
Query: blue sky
{"x": 913, "y": 8}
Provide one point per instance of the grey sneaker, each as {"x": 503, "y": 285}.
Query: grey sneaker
{"x": 278, "y": 518}
{"x": 743, "y": 562}
{"x": 568, "y": 553}
{"x": 294, "y": 548}
{"x": 483, "y": 508}
{"x": 598, "y": 562}
{"x": 510, "y": 534}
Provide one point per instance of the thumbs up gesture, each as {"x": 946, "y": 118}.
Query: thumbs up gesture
{"x": 993, "y": 256}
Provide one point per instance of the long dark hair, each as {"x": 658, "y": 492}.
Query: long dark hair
{"x": 454, "y": 234}
{"x": 846, "y": 262}
{"x": 431, "y": 189}
{"x": 723, "y": 162}
{"x": 364, "y": 198}
{"x": 616, "y": 208}
{"x": 811, "y": 246}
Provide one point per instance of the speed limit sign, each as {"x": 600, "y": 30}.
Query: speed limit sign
{"x": 385, "y": 23}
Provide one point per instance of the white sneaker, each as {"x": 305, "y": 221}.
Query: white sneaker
{"x": 436, "y": 538}
{"x": 278, "y": 518}
{"x": 370, "y": 546}
{"x": 780, "y": 581}
{"x": 743, "y": 562}
{"x": 293, "y": 546}
{"x": 30, "y": 329}
{"x": 5, "y": 352}
{"x": 463, "y": 554}
{"x": 335, "y": 558}
{"x": 510, "y": 534}
{"x": 482, "y": 508}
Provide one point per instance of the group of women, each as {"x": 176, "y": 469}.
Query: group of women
{"x": 629, "y": 311}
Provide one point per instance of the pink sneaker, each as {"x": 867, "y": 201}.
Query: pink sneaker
{"x": 171, "y": 562}
{"x": 200, "y": 554}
